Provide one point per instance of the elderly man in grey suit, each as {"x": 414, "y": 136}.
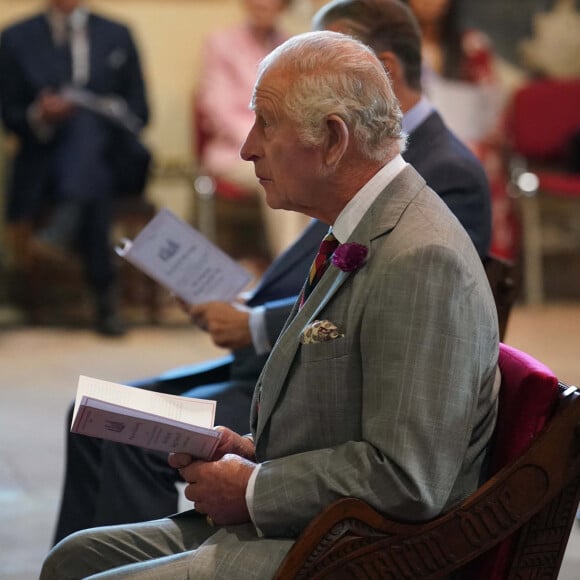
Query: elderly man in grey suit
{"x": 383, "y": 384}
{"x": 110, "y": 483}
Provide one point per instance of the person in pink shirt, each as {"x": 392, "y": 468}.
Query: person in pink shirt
{"x": 229, "y": 64}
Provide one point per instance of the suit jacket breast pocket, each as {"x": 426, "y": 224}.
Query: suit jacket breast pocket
{"x": 321, "y": 351}
{"x": 325, "y": 387}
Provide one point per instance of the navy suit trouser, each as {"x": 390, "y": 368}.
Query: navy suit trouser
{"x": 81, "y": 176}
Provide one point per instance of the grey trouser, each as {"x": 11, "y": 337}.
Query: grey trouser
{"x": 176, "y": 548}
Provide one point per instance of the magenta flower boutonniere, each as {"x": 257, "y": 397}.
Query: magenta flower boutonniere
{"x": 349, "y": 257}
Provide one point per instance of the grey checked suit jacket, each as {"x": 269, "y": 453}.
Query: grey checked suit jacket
{"x": 398, "y": 412}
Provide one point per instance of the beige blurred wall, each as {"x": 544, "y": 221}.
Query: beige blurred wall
{"x": 169, "y": 34}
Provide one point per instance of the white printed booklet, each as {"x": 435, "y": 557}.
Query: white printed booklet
{"x": 145, "y": 418}
{"x": 184, "y": 261}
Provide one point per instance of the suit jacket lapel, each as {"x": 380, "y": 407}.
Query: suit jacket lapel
{"x": 381, "y": 218}
{"x": 281, "y": 358}
{"x": 46, "y": 56}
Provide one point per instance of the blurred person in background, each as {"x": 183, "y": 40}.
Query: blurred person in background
{"x": 449, "y": 168}
{"x": 460, "y": 77}
{"x": 229, "y": 64}
{"x": 72, "y": 91}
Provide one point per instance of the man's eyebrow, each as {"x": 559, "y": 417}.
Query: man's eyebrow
{"x": 255, "y": 106}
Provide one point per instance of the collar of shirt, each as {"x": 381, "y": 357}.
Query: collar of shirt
{"x": 78, "y": 18}
{"x": 355, "y": 209}
{"x": 417, "y": 114}
{"x": 59, "y": 22}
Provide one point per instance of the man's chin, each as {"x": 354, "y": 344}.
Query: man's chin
{"x": 273, "y": 201}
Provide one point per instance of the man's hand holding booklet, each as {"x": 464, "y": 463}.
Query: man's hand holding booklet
{"x": 145, "y": 418}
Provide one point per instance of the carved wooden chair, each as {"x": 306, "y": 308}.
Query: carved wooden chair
{"x": 516, "y": 525}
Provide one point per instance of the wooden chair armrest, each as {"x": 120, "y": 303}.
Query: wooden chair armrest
{"x": 351, "y": 540}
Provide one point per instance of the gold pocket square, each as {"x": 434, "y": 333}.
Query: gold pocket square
{"x": 320, "y": 331}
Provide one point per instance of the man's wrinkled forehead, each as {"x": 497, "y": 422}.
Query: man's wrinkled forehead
{"x": 269, "y": 89}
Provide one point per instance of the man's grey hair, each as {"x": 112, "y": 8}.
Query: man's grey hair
{"x": 334, "y": 74}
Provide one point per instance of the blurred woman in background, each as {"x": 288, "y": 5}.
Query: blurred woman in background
{"x": 460, "y": 77}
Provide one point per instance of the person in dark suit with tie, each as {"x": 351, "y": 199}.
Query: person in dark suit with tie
{"x": 132, "y": 484}
{"x": 440, "y": 157}
{"x": 73, "y": 93}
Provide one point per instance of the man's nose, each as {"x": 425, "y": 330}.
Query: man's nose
{"x": 248, "y": 151}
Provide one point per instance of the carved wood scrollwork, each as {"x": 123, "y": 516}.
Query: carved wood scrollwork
{"x": 543, "y": 541}
{"x": 533, "y": 501}
{"x": 338, "y": 543}
{"x": 353, "y": 550}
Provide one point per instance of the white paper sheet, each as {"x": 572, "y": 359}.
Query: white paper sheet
{"x": 184, "y": 261}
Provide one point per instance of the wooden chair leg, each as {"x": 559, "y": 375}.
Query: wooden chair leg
{"x": 27, "y": 282}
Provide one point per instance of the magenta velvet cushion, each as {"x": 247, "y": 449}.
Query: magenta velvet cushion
{"x": 527, "y": 398}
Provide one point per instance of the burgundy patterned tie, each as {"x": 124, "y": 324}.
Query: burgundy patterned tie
{"x": 327, "y": 247}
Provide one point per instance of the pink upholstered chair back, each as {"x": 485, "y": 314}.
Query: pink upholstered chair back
{"x": 545, "y": 114}
{"x": 527, "y": 398}
{"x": 223, "y": 188}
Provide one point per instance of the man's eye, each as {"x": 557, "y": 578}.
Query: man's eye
{"x": 265, "y": 122}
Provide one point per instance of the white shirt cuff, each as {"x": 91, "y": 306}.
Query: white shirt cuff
{"x": 250, "y": 498}
{"x": 258, "y": 330}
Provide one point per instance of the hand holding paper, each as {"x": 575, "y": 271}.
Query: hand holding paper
{"x": 228, "y": 324}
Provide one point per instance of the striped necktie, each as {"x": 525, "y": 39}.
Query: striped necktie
{"x": 328, "y": 245}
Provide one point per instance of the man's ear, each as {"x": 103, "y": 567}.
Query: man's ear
{"x": 337, "y": 140}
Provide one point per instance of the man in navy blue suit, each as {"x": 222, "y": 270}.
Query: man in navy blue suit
{"x": 72, "y": 91}
{"x": 108, "y": 483}
{"x": 444, "y": 162}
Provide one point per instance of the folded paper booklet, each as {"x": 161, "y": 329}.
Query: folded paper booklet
{"x": 183, "y": 260}
{"x": 145, "y": 418}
